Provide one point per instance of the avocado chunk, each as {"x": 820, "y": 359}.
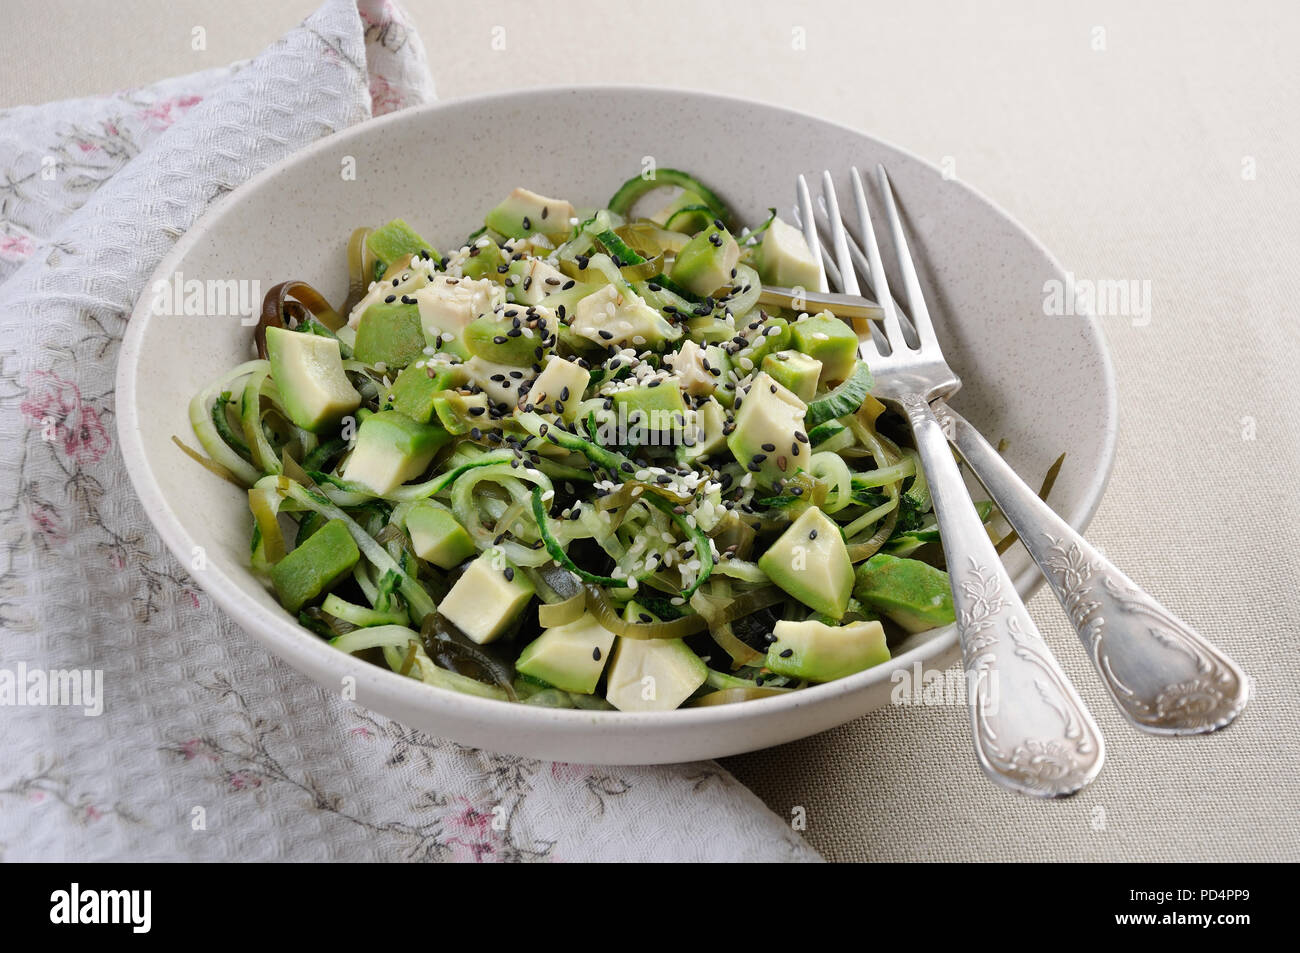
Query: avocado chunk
{"x": 524, "y": 213}
{"x": 460, "y": 413}
{"x": 483, "y": 259}
{"x": 795, "y": 370}
{"x": 391, "y": 449}
{"x": 769, "y": 423}
{"x": 823, "y": 653}
{"x": 395, "y": 240}
{"x": 416, "y": 388}
{"x": 489, "y": 596}
{"x": 652, "y": 674}
{"x": 785, "y": 259}
{"x": 810, "y": 562}
{"x": 559, "y": 388}
{"x": 770, "y": 337}
{"x": 705, "y": 434}
{"x": 447, "y": 306}
{"x": 308, "y": 372}
{"x": 316, "y": 566}
{"x": 503, "y": 383}
{"x": 570, "y": 657}
{"x": 389, "y": 334}
{"x": 658, "y": 408}
{"x": 612, "y": 317}
{"x": 437, "y": 536}
{"x": 533, "y": 280}
{"x": 826, "y": 338}
{"x": 517, "y": 336}
{"x": 914, "y": 594}
{"x": 706, "y": 329}
{"x": 698, "y": 369}
{"x": 705, "y": 263}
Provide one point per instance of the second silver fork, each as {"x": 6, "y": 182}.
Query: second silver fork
{"x": 1031, "y": 730}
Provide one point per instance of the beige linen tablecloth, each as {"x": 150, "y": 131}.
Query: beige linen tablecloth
{"x": 1153, "y": 143}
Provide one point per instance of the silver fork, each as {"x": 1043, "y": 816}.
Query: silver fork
{"x": 1163, "y": 676}
{"x": 1032, "y": 732}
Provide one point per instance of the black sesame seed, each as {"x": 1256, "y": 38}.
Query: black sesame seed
{"x": 510, "y": 573}
{"x": 786, "y": 653}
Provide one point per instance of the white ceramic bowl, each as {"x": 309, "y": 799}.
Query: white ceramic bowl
{"x": 1043, "y": 383}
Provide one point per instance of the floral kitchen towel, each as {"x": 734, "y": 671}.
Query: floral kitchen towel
{"x": 187, "y": 741}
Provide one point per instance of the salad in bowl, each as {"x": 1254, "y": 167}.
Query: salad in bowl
{"x": 595, "y": 458}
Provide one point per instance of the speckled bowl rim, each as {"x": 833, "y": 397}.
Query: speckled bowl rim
{"x": 283, "y": 636}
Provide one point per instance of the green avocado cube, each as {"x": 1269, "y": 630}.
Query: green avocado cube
{"x": 437, "y": 536}
{"x": 769, "y": 424}
{"x": 705, "y": 262}
{"x": 796, "y": 371}
{"x": 823, "y": 653}
{"x": 654, "y": 408}
{"x": 414, "y": 391}
{"x": 489, "y": 595}
{"x": 389, "y": 334}
{"x": 392, "y": 448}
{"x": 771, "y": 336}
{"x": 559, "y": 387}
{"x": 461, "y": 413}
{"x": 308, "y": 372}
{"x": 914, "y": 594}
{"x": 518, "y": 336}
{"x": 570, "y": 657}
{"x": 785, "y": 259}
{"x": 709, "y": 330}
{"x": 810, "y": 562}
{"x": 651, "y": 674}
{"x": 523, "y": 212}
{"x": 826, "y": 338}
{"x": 316, "y": 566}
{"x": 485, "y": 257}
{"x": 395, "y": 240}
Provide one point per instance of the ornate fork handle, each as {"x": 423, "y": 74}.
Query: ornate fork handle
{"x": 1162, "y": 675}
{"x": 1032, "y": 732}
